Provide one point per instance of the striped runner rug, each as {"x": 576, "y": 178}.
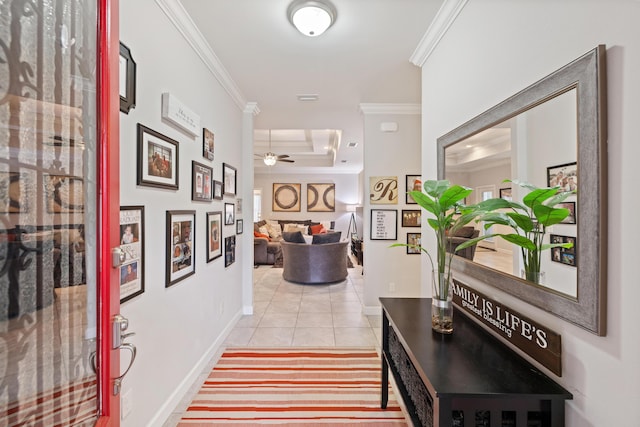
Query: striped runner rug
{"x": 294, "y": 387}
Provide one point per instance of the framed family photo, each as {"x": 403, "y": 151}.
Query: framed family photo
{"x": 411, "y": 218}
{"x": 564, "y": 176}
{"x": 132, "y": 240}
{"x": 229, "y": 250}
{"x": 571, "y": 206}
{"x": 157, "y": 159}
{"x": 181, "y": 259}
{"x": 214, "y": 235}
{"x": 207, "y": 144}
{"x": 505, "y": 193}
{"x": 414, "y": 239}
{"x": 229, "y": 176}
{"x": 567, "y": 256}
{"x": 201, "y": 176}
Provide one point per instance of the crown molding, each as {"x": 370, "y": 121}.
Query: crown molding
{"x": 439, "y": 26}
{"x": 185, "y": 25}
{"x": 390, "y": 109}
{"x": 251, "y": 108}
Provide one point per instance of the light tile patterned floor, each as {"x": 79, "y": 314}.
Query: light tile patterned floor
{"x": 293, "y": 315}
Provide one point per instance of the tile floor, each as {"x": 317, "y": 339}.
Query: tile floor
{"x": 289, "y": 314}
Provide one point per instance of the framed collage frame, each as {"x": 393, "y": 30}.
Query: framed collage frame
{"x": 181, "y": 248}
{"x": 201, "y": 178}
{"x": 132, "y": 242}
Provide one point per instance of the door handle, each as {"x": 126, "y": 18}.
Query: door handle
{"x": 119, "y": 326}
{"x": 118, "y": 257}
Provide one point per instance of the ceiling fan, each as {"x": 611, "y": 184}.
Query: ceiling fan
{"x": 271, "y": 158}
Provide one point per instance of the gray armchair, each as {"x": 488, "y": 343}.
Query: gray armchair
{"x": 314, "y": 263}
{"x": 464, "y": 234}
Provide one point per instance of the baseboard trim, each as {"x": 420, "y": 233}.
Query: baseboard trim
{"x": 181, "y": 390}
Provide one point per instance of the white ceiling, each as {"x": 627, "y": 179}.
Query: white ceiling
{"x": 362, "y": 58}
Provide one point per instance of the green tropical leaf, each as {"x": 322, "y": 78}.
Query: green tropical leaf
{"x": 556, "y": 245}
{"x": 522, "y": 221}
{"x": 434, "y": 224}
{"x": 436, "y": 188}
{"x": 519, "y": 240}
{"x": 547, "y": 215}
{"x": 425, "y": 201}
{"x": 559, "y": 198}
{"x": 538, "y": 196}
{"x": 452, "y": 195}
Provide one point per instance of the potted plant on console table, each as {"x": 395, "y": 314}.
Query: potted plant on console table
{"x": 529, "y": 221}
{"x": 443, "y": 201}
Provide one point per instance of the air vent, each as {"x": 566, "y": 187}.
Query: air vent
{"x": 307, "y": 97}
{"x": 352, "y": 144}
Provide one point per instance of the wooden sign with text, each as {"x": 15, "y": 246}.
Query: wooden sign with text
{"x": 536, "y": 340}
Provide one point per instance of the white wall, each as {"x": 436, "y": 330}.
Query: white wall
{"x": 390, "y": 271}
{"x": 346, "y": 193}
{"x": 496, "y": 48}
{"x": 177, "y": 328}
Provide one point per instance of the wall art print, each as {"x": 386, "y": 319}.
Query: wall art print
{"x": 414, "y": 239}
{"x": 383, "y": 190}
{"x": 384, "y": 224}
{"x": 411, "y": 218}
{"x": 181, "y": 260}
{"x": 286, "y": 197}
{"x": 229, "y": 176}
{"x": 563, "y": 176}
{"x": 132, "y": 240}
{"x": 321, "y": 197}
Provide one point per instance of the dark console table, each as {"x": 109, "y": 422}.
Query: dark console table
{"x": 466, "y": 379}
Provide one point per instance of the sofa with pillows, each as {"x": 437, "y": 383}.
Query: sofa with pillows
{"x": 268, "y": 234}
{"x": 461, "y": 236}
{"x": 322, "y": 258}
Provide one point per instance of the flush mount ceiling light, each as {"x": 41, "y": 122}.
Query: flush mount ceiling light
{"x": 311, "y": 17}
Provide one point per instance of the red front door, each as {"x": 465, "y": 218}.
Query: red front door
{"x": 59, "y": 212}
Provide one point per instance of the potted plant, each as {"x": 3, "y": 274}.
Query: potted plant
{"x": 443, "y": 201}
{"x": 529, "y": 221}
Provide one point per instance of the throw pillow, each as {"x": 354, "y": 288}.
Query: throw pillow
{"x": 263, "y": 230}
{"x": 296, "y": 227}
{"x": 258, "y": 234}
{"x": 293, "y": 237}
{"x": 307, "y": 239}
{"x": 327, "y": 238}
{"x": 275, "y": 232}
{"x": 326, "y": 224}
{"x": 317, "y": 229}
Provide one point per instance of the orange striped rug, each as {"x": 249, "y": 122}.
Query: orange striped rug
{"x": 293, "y": 387}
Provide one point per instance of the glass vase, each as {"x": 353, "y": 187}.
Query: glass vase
{"x": 534, "y": 276}
{"x": 441, "y": 304}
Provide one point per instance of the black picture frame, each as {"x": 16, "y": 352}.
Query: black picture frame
{"x": 229, "y": 250}
{"x": 158, "y": 159}
{"x": 214, "y": 235}
{"x": 384, "y": 224}
{"x": 201, "y": 182}
{"x": 567, "y": 256}
{"x": 410, "y": 185}
{"x": 564, "y": 176}
{"x": 229, "y": 177}
{"x": 132, "y": 242}
{"x": 208, "y": 144}
{"x": 127, "y": 80}
{"x": 217, "y": 190}
{"x": 229, "y": 214}
{"x": 414, "y": 239}
{"x": 180, "y": 246}
{"x": 506, "y": 194}
{"x": 571, "y": 219}
{"x": 411, "y": 217}
{"x": 239, "y": 226}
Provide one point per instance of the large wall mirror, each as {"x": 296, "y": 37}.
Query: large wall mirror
{"x": 551, "y": 133}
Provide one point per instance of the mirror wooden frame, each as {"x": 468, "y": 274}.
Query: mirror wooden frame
{"x": 587, "y": 74}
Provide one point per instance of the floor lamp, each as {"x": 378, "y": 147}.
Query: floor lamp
{"x": 352, "y": 209}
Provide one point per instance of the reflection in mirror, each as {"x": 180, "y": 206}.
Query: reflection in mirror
{"x": 522, "y": 148}
{"x": 543, "y": 134}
